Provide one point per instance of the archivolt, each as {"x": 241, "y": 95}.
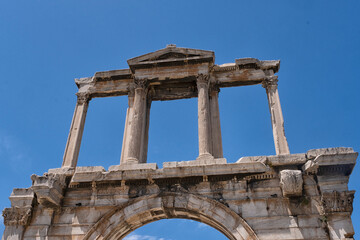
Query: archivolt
{"x": 119, "y": 222}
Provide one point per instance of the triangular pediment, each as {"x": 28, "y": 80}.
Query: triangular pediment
{"x": 171, "y": 55}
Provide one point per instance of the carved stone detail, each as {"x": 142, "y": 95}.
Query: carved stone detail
{"x": 291, "y": 182}
{"x": 270, "y": 82}
{"x": 17, "y": 216}
{"x": 202, "y": 80}
{"x": 337, "y": 201}
{"x": 49, "y": 189}
{"x": 83, "y": 98}
{"x": 141, "y": 83}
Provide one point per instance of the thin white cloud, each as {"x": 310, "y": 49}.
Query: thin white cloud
{"x": 142, "y": 237}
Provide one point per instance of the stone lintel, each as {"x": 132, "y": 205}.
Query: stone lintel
{"x": 199, "y": 162}
{"x": 113, "y": 75}
{"x": 117, "y": 82}
{"x": 277, "y": 160}
{"x": 135, "y": 171}
{"x": 257, "y": 64}
{"x": 67, "y": 171}
{"x": 88, "y": 174}
{"x": 329, "y": 157}
{"x": 136, "y": 166}
{"x": 310, "y": 161}
{"x": 313, "y": 153}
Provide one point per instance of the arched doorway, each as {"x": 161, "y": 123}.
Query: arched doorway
{"x": 122, "y": 220}
{"x": 175, "y": 229}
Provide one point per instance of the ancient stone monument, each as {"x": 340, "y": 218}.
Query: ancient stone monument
{"x": 286, "y": 196}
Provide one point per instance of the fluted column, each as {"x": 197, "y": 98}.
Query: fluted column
{"x": 129, "y": 112}
{"x": 137, "y": 122}
{"x": 217, "y": 149}
{"x": 76, "y": 131}
{"x": 204, "y": 124}
{"x": 277, "y": 120}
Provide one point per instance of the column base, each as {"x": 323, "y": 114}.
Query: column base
{"x": 205, "y": 157}
{"x": 130, "y": 160}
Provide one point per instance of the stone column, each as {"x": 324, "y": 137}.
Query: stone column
{"x": 277, "y": 120}
{"x": 145, "y": 135}
{"x": 204, "y": 124}
{"x": 217, "y": 149}
{"x": 137, "y": 122}
{"x": 129, "y": 112}
{"x": 76, "y": 131}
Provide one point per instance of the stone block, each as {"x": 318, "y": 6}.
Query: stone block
{"x": 261, "y": 159}
{"x": 88, "y": 174}
{"x": 291, "y": 182}
{"x": 200, "y": 162}
{"x": 67, "y": 171}
{"x": 340, "y": 226}
{"x": 313, "y": 153}
{"x": 336, "y": 159}
{"x": 135, "y": 166}
{"x": 286, "y": 159}
{"x": 49, "y": 189}
{"x": 22, "y": 197}
{"x": 247, "y": 62}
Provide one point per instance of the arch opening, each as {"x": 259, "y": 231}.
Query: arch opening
{"x": 175, "y": 229}
{"x": 123, "y": 220}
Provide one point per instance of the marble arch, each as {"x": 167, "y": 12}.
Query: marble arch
{"x": 121, "y": 221}
{"x": 284, "y": 196}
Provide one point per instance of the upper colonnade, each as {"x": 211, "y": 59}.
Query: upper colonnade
{"x": 169, "y": 74}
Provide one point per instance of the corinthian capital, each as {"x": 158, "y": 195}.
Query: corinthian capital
{"x": 202, "y": 80}
{"x": 17, "y": 215}
{"x": 141, "y": 83}
{"x": 270, "y": 82}
{"x": 83, "y": 97}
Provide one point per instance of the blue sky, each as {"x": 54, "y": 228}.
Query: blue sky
{"x": 44, "y": 45}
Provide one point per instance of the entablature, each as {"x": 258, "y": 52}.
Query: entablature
{"x": 172, "y": 74}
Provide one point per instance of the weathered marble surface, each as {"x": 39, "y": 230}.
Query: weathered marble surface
{"x": 168, "y": 74}
{"x": 256, "y": 198}
{"x": 287, "y": 196}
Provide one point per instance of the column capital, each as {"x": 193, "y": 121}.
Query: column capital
{"x": 202, "y": 80}
{"x": 141, "y": 83}
{"x": 83, "y": 97}
{"x": 270, "y": 82}
{"x": 17, "y": 216}
{"x": 214, "y": 88}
